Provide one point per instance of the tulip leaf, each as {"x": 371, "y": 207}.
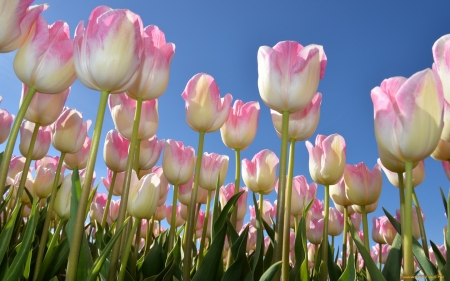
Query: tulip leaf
{"x": 54, "y": 260}
{"x": 155, "y": 259}
{"x": 257, "y": 262}
{"x": 6, "y": 201}
{"x": 97, "y": 266}
{"x": 392, "y": 268}
{"x": 268, "y": 257}
{"x": 446, "y": 270}
{"x": 270, "y": 273}
{"x": 269, "y": 231}
{"x": 209, "y": 269}
{"x": 17, "y": 267}
{"x": 349, "y": 273}
{"x": 216, "y": 207}
{"x": 232, "y": 234}
{"x": 368, "y": 262}
{"x": 239, "y": 269}
{"x": 444, "y": 201}
{"x": 333, "y": 269}
{"x": 299, "y": 250}
{"x": 220, "y": 222}
{"x": 439, "y": 257}
{"x": 6, "y": 234}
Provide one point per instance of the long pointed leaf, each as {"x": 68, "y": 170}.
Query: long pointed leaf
{"x": 220, "y": 222}
{"x": 54, "y": 261}
{"x": 259, "y": 251}
{"x": 392, "y": 268}
{"x": 439, "y": 257}
{"x": 5, "y": 237}
{"x": 270, "y": 273}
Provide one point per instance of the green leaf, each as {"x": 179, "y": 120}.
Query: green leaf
{"x": 26, "y": 272}
{"x": 446, "y": 270}
{"x": 5, "y": 237}
{"x": 154, "y": 261}
{"x": 93, "y": 273}
{"x": 216, "y": 207}
{"x": 209, "y": 268}
{"x": 269, "y": 231}
{"x": 392, "y": 268}
{"x": 349, "y": 273}
{"x": 220, "y": 222}
{"x": 298, "y": 251}
{"x": 239, "y": 269}
{"x": 333, "y": 269}
{"x": 231, "y": 232}
{"x": 444, "y": 201}
{"x": 54, "y": 260}
{"x": 439, "y": 257}
{"x": 270, "y": 273}
{"x": 17, "y": 267}
{"x": 257, "y": 262}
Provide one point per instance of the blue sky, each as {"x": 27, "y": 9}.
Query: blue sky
{"x": 365, "y": 42}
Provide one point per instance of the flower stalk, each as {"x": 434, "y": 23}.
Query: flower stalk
{"x": 108, "y": 202}
{"x": 173, "y": 218}
{"x": 421, "y": 225}
{"x": 408, "y": 258}
{"x": 205, "y": 227}
{"x": 123, "y": 265}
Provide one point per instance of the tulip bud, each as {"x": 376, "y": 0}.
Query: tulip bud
{"x": 314, "y": 232}
{"x": 441, "y": 53}
{"x": 356, "y": 219}
{"x": 340, "y": 208}
{"x": 143, "y": 197}
{"x": 415, "y": 221}
{"x": 113, "y": 212}
{"x": 178, "y": 162}
{"x": 115, "y": 151}
{"x": 62, "y": 200}
{"x": 185, "y": 192}
{"x": 98, "y": 207}
{"x": 118, "y": 184}
{"x": 362, "y": 186}
{"x": 239, "y": 129}
{"x": 442, "y": 151}
{"x": 327, "y": 159}
{"x": 302, "y": 194}
{"x": 446, "y": 166}
{"x": 45, "y": 175}
{"x": 205, "y": 110}
{"x": 212, "y": 166}
{"x": 28, "y": 185}
{"x": 316, "y": 211}
{"x": 418, "y": 174}
{"x": 179, "y": 219}
{"x": 387, "y": 230}
{"x": 149, "y": 152}
{"x": 69, "y": 131}
{"x": 164, "y": 185}
{"x": 79, "y": 159}
{"x": 337, "y": 193}
{"x": 369, "y": 208}
{"x": 6, "y": 120}
{"x": 260, "y": 174}
{"x": 377, "y": 236}
{"x": 160, "y": 213}
{"x": 267, "y": 213}
{"x": 227, "y": 191}
{"x": 335, "y": 222}
{"x": 42, "y": 143}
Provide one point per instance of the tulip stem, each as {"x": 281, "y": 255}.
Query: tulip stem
{"x": 173, "y": 218}
{"x": 261, "y": 206}
{"x": 48, "y": 218}
{"x": 278, "y": 251}
{"x": 366, "y": 235}
{"x": 126, "y": 188}
{"x": 205, "y": 227}
{"x": 136, "y": 156}
{"x": 296, "y": 225}
{"x": 12, "y": 139}
{"x": 147, "y": 238}
{"x": 324, "y": 244}
{"x": 108, "y": 202}
{"x": 287, "y": 212}
{"x": 408, "y": 258}
{"x": 84, "y": 197}
{"x": 380, "y": 253}
{"x": 237, "y": 182}
{"x": 123, "y": 265}
{"x": 344, "y": 239}
{"x": 401, "y": 189}
{"x": 187, "y": 263}
{"x": 137, "y": 243}
{"x": 421, "y": 225}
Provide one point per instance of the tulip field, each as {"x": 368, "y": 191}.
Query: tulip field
{"x": 107, "y": 198}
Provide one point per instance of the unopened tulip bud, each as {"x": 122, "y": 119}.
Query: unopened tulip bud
{"x": 369, "y": 208}
{"x": 260, "y": 174}
{"x": 113, "y": 212}
{"x": 118, "y": 184}
{"x": 356, "y": 219}
{"x": 178, "y": 162}
{"x": 302, "y": 194}
{"x": 337, "y": 193}
{"x": 442, "y": 151}
{"x": 69, "y": 131}
{"x": 42, "y": 143}
{"x": 185, "y": 192}
{"x": 377, "y": 236}
{"x": 6, "y": 120}
{"x": 227, "y": 191}
{"x": 362, "y": 186}
{"x": 267, "y": 213}
{"x": 28, "y": 185}
{"x": 62, "y": 200}
{"x": 160, "y": 213}
{"x": 164, "y": 185}
{"x": 314, "y": 232}
{"x": 335, "y": 222}
{"x": 143, "y": 197}
{"x": 98, "y": 207}
{"x": 340, "y": 208}
{"x": 79, "y": 159}
{"x": 179, "y": 220}
{"x": 387, "y": 230}
{"x": 115, "y": 151}
{"x": 16, "y": 166}
{"x": 214, "y": 167}
{"x": 149, "y": 152}
{"x": 45, "y": 175}
{"x": 316, "y": 211}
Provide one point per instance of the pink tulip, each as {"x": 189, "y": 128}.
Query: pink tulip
{"x": 69, "y": 131}
{"x": 45, "y": 61}
{"x": 316, "y": 211}
{"x": 149, "y": 152}
{"x": 441, "y": 54}
{"x": 340, "y": 208}
{"x": 403, "y": 108}
{"x": 45, "y": 175}
{"x": 239, "y": 130}
{"x": 200, "y": 221}
{"x": 160, "y": 213}
{"x": 442, "y": 151}
{"x": 179, "y": 220}
{"x": 42, "y": 143}
{"x": 178, "y": 162}
{"x": 335, "y": 222}
{"x": 153, "y": 75}
{"x": 185, "y": 192}
{"x": 369, "y": 208}
{"x": 337, "y": 193}
{"x": 387, "y": 230}
{"x": 260, "y": 174}
{"x": 163, "y": 186}
{"x": 28, "y": 185}
{"x": 143, "y": 197}
{"x": 446, "y": 166}
{"x": 123, "y": 109}
{"x": 302, "y": 194}
{"x": 17, "y": 19}
{"x": 79, "y": 159}
{"x": 107, "y": 53}
{"x": 205, "y": 110}
{"x": 44, "y": 108}
{"x": 267, "y": 213}
{"x": 6, "y": 120}
{"x": 115, "y": 151}
{"x": 414, "y": 222}
{"x": 418, "y": 174}
{"x": 98, "y": 207}
{"x": 251, "y": 238}
{"x": 362, "y": 186}
{"x": 432, "y": 255}
{"x": 446, "y": 118}
{"x": 213, "y": 165}
{"x": 303, "y": 123}
{"x": 327, "y": 159}
{"x": 375, "y": 253}
{"x": 227, "y": 191}
{"x": 314, "y": 232}
{"x": 377, "y": 236}
{"x": 289, "y": 74}
{"x": 311, "y": 254}
{"x": 118, "y": 184}
{"x": 16, "y": 166}
{"x": 113, "y": 212}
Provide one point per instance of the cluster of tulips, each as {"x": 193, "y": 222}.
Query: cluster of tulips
{"x": 45, "y": 232}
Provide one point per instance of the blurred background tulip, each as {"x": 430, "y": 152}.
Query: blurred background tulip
{"x": 362, "y": 186}
{"x": 6, "y": 120}
{"x": 42, "y": 143}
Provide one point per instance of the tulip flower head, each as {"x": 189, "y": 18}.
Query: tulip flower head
{"x": 418, "y": 174}
{"x": 260, "y": 174}
{"x": 205, "y": 110}
{"x": 144, "y": 196}
{"x": 149, "y": 152}
{"x": 118, "y": 184}
{"x": 239, "y": 130}
{"x": 42, "y": 143}
{"x": 302, "y": 194}
{"x": 335, "y": 222}
{"x": 227, "y": 191}
{"x": 377, "y": 236}
{"x": 45, "y": 175}
{"x": 79, "y": 159}
{"x": 178, "y": 162}
{"x": 362, "y": 186}
{"x": 387, "y": 230}
{"x": 289, "y": 74}
{"x": 314, "y": 232}
{"x": 115, "y": 151}
{"x": 267, "y": 213}
{"x": 107, "y": 52}
{"x": 213, "y": 166}
{"x": 179, "y": 220}
{"x": 441, "y": 54}
{"x": 327, "y": 159}
{"x": 6, "y": 120}
{"x": 337, "y": 193}
{"x": 69, "y": 131}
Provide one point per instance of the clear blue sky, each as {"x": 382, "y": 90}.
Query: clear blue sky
{"x": 365, "y": 42}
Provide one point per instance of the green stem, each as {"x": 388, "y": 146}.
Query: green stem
{"x": 237, "y": 183}
{"x": 408, "y": 258}
{"x": 84, "y": 198}
{"x": 147, "y": 237}
{"x": 324, "y": 244}
{"x": 136, "y": 157}
{"x": 261, "y": 206}
{"x": 123, "y": 265}
{"x": 380, "y": 249}
{"x": 296, "y": 224}
{"x": 126, "y": 187}
{"x": 55, "y": 237}
{"x": 344, "y": 239}
{"x": 187, "y": 263}
{"x": 278, "y": 251}
{"x": 48, "y": 218}
{"x": 332, "y": 243}
{"x": 173, "y": 218}
{"x": 108, "y": 202}
{"x": 12, "y": 139}
{"x": 366, "y": 235}
{"x": 287, "y": 213}
{"x": 205, "y": 227}
{"x": 137, "y": 242}
{"x": 401, "y": 189}
{"x": 421, "y": 225}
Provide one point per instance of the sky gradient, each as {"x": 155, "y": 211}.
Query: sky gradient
{"x": 365, "y": 42}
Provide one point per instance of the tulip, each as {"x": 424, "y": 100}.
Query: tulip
{"x": 418, "y": 174}
{"x": 441, "y": 249}
{"x": 387, "y": 230}
{"x": 239, "y": 129}
{"x": 123, "y": 109}
{"x": 316, "y": 211}
{"x": 341, "y": 209}
{"x": 302, "y": 194}
{"x": 314, "y": 232}
{"x": 185, "y": 193}
{"x": 69, "y": 131}
{"x": 377, "y": 236}
{"x": 251, "y": 238}
{"x": 179, "y": 218}
{"x": 45, "y": 61}
{"x": 335, "y": 222}
{"x": 362, "y": 186}
{"x": 16, "y": 166}
{"x": 78, "y": 159}
{"x": 414, "y": 222}
{"x": 178, "y": 162}
{"x": 143, "y": 197}
{"x": 289, "y": 74}
{"x": 260, "y": 174}
{"x": 404, "y": 108}
{"x": 118, "y": 184}
{"x": 98, "y": 207}
{"x": 45, "y": 175}
{"x": 17, "y": 19}
{"x": 115, "y": 151}
{"x": 164, "y": 184}
{"x": 356, "y": 220}
{"x": 160, "y": 213}
{"x": 446, "y": 166}
{"x": 337, "y": 193}
{"x": 149, "y": 152}
{"x": 226, "y": 192}
{"x": 266, "y": 214}
{"x": 441, "y": 53}
{"x": 442, "y": 151}
{"x": 303, "y": 123}
{"x": 214, "y": 167}
{"x": 44, "y": 108}
{"x": 205, "y": 110}
{"x": 153, "y": 74}
{"x": 384, "y": 253}
{"x": 369, "y": 208}
{"x": 113, "y": 212}
{"x": 5, "y": 124}
{"x": 62, "y": 200}
{"x": 109, "y": 34}
{"x": 327, "y": 159}
{"x": 28, "y": 185}
{"x": 42, "y": 141}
